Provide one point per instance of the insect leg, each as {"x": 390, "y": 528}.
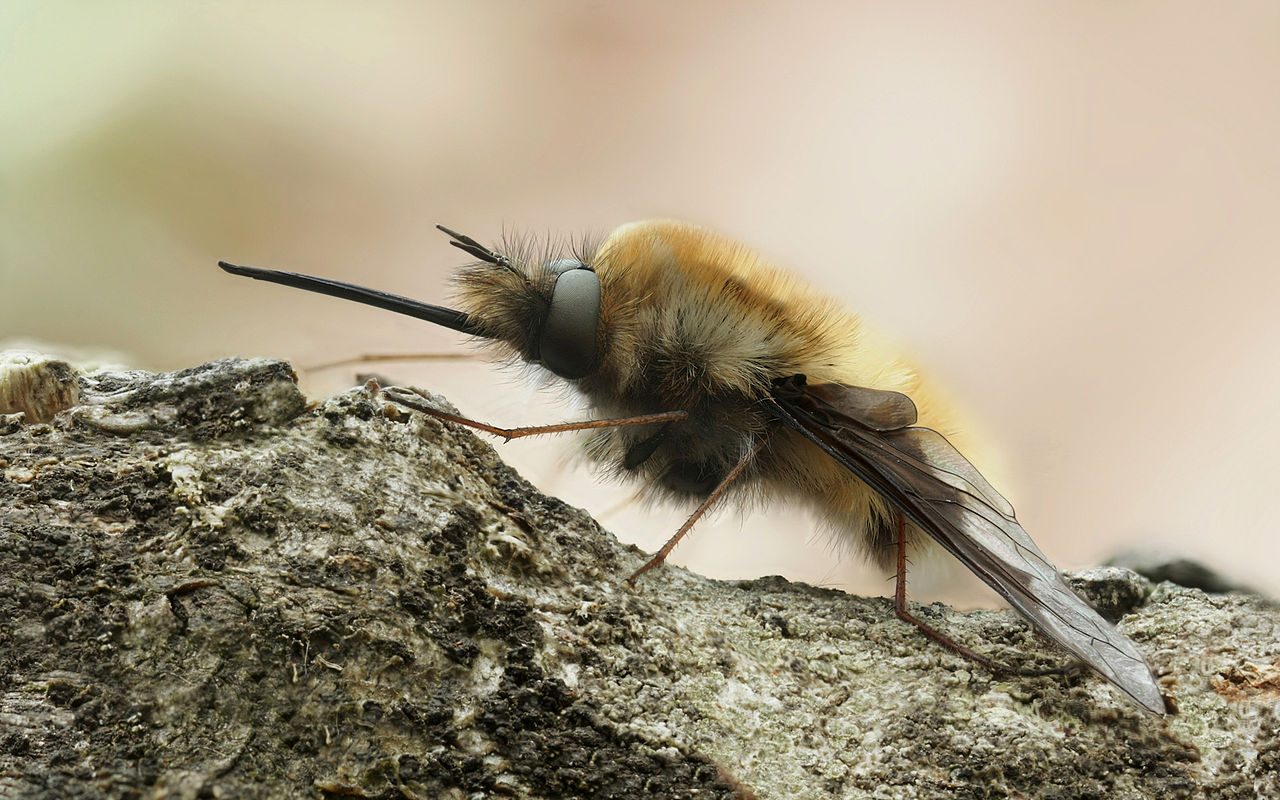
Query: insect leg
{"x": 412, "y": 398}
{"x": 715, "y": 495}
{"x": 372, "y": 358}
{"x": 900, "y": 608}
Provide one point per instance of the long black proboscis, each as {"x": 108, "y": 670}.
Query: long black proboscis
{"x": 447, "y": 317}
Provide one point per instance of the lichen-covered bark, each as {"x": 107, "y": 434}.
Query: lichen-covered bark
{"x": 209, "y": 588}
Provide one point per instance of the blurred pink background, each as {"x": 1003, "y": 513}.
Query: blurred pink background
{"x": 1066, "y": 211}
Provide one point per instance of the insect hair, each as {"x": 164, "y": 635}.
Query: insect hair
{"x": 517, "y": 295}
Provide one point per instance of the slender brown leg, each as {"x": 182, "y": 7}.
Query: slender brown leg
{"x": 900, "y": 608}
{"x": 371, "y": 358}
{"x": 411, "y": 397}
{"x": 401, "y": 397}
{"x": 715, "y": 495}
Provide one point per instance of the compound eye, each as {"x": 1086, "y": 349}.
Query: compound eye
{"x": 563, "y": 265}
{"x": 568, "y": 343}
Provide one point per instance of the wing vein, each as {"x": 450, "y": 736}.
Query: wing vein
{"x": 934, "y": 486}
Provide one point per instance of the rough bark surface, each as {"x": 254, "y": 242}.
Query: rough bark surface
{"x": 211, "y": 588}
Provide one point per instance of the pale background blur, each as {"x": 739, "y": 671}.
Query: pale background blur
{"x": 1068, "y": 211}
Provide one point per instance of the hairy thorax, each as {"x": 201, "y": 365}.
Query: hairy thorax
{"x": 709, "y": 333}
{"x": 705, "y": 334}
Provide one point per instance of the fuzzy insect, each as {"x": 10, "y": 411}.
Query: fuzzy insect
{"x": 716, "y": 373}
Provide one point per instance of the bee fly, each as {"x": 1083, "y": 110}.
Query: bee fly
{"x": 715, "y": 373}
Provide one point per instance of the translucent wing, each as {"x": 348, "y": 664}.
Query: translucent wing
{"x": 932, "y": 484}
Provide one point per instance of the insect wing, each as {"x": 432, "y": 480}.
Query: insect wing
{"x": 923, "y": 476}
{"x": 876, "y": 409}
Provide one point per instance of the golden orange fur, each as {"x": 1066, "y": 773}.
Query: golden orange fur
{"x": 692, "y": 321}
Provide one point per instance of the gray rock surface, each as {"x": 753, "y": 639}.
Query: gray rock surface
{"x": 211, "y": 588}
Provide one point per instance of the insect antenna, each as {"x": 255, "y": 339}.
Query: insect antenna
{"x": 470, "y": 246}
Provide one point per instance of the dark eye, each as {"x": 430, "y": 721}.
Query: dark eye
{"x": 567, "y": 346}
{"x": 563, "y": 265}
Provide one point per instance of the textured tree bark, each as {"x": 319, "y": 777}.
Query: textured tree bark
{"x": 211, "y": 588}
